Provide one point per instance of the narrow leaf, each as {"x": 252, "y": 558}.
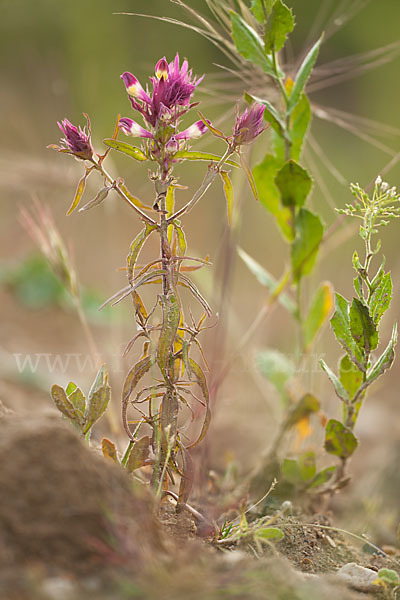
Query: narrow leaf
{"x": 272, "y": 534}
{"x": 171, "y": 312}
{"x": 125, "y": 148}
{"x": 135, "y": 249}
{"x": 320, "y": 310}
{"x": 309, "y": 232}
{"x": 303, "y": 74}
{"x": 381, "y": 298}
{"x": 132, "y": 379}
{"x": 181, "y": 238}
{"x": 196, "y": 374}
{"x": 306, "y": 406}
{"x": 322, "y": 477}
{"x": 191, "y": 155}
{"x": 64, "y": 405}
{"x": 339, "y": 387}
{"x": 298, "y": 125}
{"x": 98, "y": 399}
{"x": 78, "y": 194}
{"x": 249, "y": 176}
{"x": 340, "y": 323}
{"x": 267, "y": 280}
{"x": 98, "y": 199}
{"x": 350, "y": 377}
{"x": 228, "y": 191}
{"x": 386, "y": 359}
{"x": 109, "y": 450}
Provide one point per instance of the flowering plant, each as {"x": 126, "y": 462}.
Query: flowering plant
{"x": 167, "y": 335}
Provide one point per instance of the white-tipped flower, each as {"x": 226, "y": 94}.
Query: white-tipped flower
{"x": 130, "y": 127}
{"x": 384, "y": 186}
{"x": 378, "y": 180}
{"x": 193, "y": 132}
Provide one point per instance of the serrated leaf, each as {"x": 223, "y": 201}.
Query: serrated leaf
{"x": 339, "y": 387}
{"x": 320, "y": 310}
{"x": 139, "y": 454}
{"x": 228, "y": 192}
{"x": 257, "y": 9}
{"x": 277, "y": 368}
{"x": 272, "y": 534}
{"x": 303, "y": 74}
{"x": 322, "y": 477}
{"x": 340, "y": 323}
{"x": 194, "y": 155}
{"x": 171, "y": 311}
{"x": 307, "y": 405}
{"x": 109, "y": 450}
{"x": 196, "y": 374}
{"x": 98, "y": 199}
{"x": 98, "y": 399}
{"x": 307, "y": 465}
{"x": 381, "y": 298}
{"x": 78, "y": 194}
{"x": 125, "y": 148}
{"x": 362, "y": 327}
{"x": 350, "y": 377}
{"x": 280, "y": 23}
{"x": 339, "y": 439}
{"x": 267, "y": 280}
{"x": 298, "y": 125}
{"x": 264, "y": 176}
{"x": 386, "y": 359}
{"x": 309, "y": 232}
{"x": 294, "y": 184}
{"x": 249, "y": 44}
{"x": 271, "y": 115}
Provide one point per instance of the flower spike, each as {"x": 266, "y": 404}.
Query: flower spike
{"x": 249, "y": 125}
{"x": 76, "y": 141}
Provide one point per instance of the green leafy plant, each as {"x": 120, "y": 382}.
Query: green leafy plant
{"x": 356, "y": 324}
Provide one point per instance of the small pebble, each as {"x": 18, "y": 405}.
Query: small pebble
{"x": 358, "y": 577}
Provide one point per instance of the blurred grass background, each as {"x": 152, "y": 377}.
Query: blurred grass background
{"x": 59, "y": 59}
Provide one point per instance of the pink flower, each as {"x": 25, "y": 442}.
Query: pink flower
{"x": 193, "y": 132}
{"x": 130, "y": 127}
{"x": 76, "y": 141}
{"x": 249, "y": 125}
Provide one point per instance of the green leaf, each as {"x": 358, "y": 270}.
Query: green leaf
{"x": 362, "y": 327}
{"x": 389, "y": 576}
{"x": 303, "y": 74}
{"x": 307, "y": 405}
{"x": 350, "y": 377}
{"x": 322, "y": 477}
{"x": 171, "y": 311}
{"x": 98, "y": 399}
{"x": 264, "y": 176}
{"x": 277, "y": 368}
{"x": 271, "y": 115}
{"x": 294, "y": 184}
{"x": 386, "y": 359}
{"x": 267, "y": 280}
{"x": 135, "y": 249}
{"x": 98, "y": 199}
{"x": 228, "y": 192}
{"x": 381, "y": 298}
{"x": 339, "y": 387}
{"x": 280, "y": 23}
{"x": 339, "y": 440}
{"x": 133, "y": 377}
{"x": 307, "y": 465}
{"x": 125, "y": 148}
{"x": 272, "y": 534}
{"x": 249, "y": 176}
{"x": 78, "y": 399}
{"x": 340, "y": 324}
{"x": 291, "y": 471}
{"x": 298, "y": 125}
{"x": 196, "y": 374}
{"x": 181, "y": 238}
{"x": 249, "y": 44}
{"x": 139, "y": 454}
{"x": 319, "y": 312}
{"x": 78, "y": 194}
{"x": 257, "y": 9}
{"x": 65, "y": 406}
{"x": 309, "y": 232}
{"x": 191, "y": 155}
